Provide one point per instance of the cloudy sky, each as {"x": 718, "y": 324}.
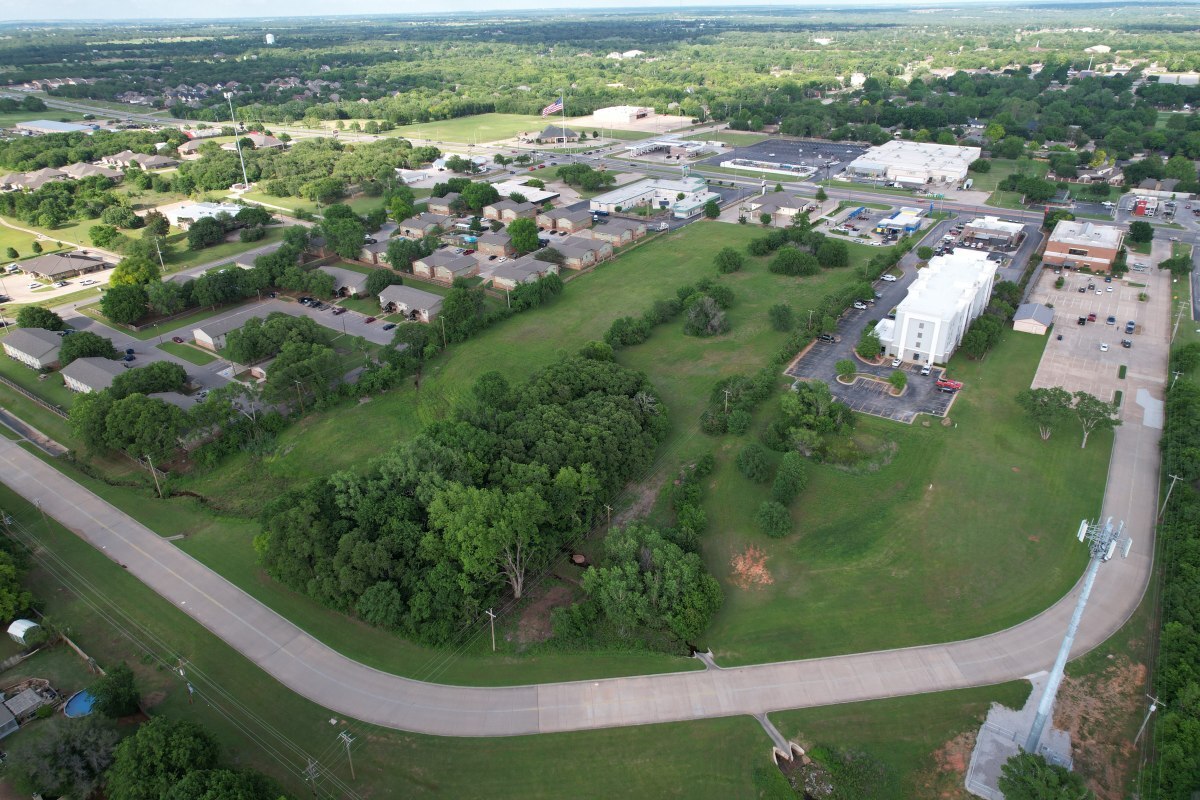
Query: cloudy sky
{"x": 33, "y": 10}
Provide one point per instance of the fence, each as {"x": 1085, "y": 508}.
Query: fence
{"x": 22, "y": 390}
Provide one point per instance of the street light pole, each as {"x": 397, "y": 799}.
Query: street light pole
{"x": 237, "y": 140}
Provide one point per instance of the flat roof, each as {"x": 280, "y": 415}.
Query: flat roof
{"x": 1087, "y": 234}
{"x": 925, "y": 155}
{"x": 947, "y": 282}
{"x": 624, "y": 194}
{"x": 52, "y": 125}
{"x": 995, "y": 224}
{"x": 217, "y": 327}
{"x": 531, "y": 193}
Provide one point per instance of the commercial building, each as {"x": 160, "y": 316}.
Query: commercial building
{"x": 659, "y": 193}
{"x": 906, "y": 220}
{"x": 183, "y": 216}
{"x": 914, "y": 163}
{"x": 993, "y": 231}
{"x": 91, "y": 374}
{"x": 616, "y": 116}
{"x": 941, "y": 304}
{"x": 33, "y": 347}
{"x": 531, "y": 193}
{"x": 1075, "y": 244}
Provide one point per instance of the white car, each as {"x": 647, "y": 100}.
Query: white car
{"x": 61, "y": 284}
{"x": 1109, "y": 289}
{"x": 1103, "y": 347}
{"x": 1099, "y": 292}
{"x": 895, "y": 362}
{"x": 35, "y": 285}
{"x": 501, "y": 259}
{"x": 861, "y": 306}
{"x": 86, "y": 283}
{"x": 890, "y": 278}
{"x": 925, "y": 370}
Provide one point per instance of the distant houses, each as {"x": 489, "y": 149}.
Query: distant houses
{"x": 508, "y": 210}
{"x": 414, "y": 304}
{"x": 567, "y": 221}
{"x": 495, "y": 244}
{"x": 423, "y": 225}
{"x": 444, "y": 266}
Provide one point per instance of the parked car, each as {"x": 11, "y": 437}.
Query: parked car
{"x": 389, "y": 326}
{"x": 1111, "y": 320}
{"x": 337, "y": 312}
{"x": 1108, "y": 278}
{"x": 1083, "y": 320}
{"x": 128, "y": 357}
{"x": 946, "y": 383}
{"x": 1129, "y": 326}
{"x": 491, "y": 258}
{"x": 369, "y": 320}
{"x": 1127, "y": 343}
{"x": 1082, "y": 289}
{"x": 896, "y": 362}
{"x": 1107, "y": 289}
{"x": 1091, "y": 317}
{"x": 370, "y": 240}
{"x": 59, "y": 284}
{"x": 889, "y": 278}
{"x": 925, "y": 370}
{"x": 177, "y": 339}
{"x": 1103, "y": 347}
{"x": 34, "y": 285}
{"x": 860, "y": 305}
{"x": 468, "y": 252}
{"x": 826, "y": 337}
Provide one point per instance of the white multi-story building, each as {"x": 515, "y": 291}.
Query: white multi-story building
{"x": 941, "y": 304}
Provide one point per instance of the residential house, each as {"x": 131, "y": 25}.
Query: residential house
{"x": 36, "y": 180}
{"x": 33, "y": 347}
{"x": 91, "y": 374}
{"x": 558, "y": 134}
{"x": 1083, "y": 244}
{"x": 212, "y": 333}
{"x": 258, "y": 141}
{"x": 619, "y": 232}
{"x": 79, "y": 171}
{"x": 562, "y": 220}
{"x": 56, "y": 266}
{"x": 423, "y": 225}
{"x": 508, "y": 210}
{"x": 781, "y": 206}
{"x": 182, "y": 216}
{"x": 376, "y": 253}
{"x": 525, "y": 269}
{"x": 416, "y": 305}
{"x": 191, "y": 148}
{"x": 580, "y": 252}
{"x": 128, "y": 158}
{"x": 497, "y": 243}
{"x": 445, "y": 266}
{"x": 181, "y": 401}
{"x": 441, "y": 205}
{"x": 346, "y": 282}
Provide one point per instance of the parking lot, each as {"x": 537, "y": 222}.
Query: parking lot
{"x": 1076, "y": 361}
{"x": 795, "y": 151}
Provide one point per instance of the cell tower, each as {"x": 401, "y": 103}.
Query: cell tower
{"x": 1103, "y": 541}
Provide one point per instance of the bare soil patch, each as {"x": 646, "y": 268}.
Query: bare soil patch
{"x": 1097, "y": 710}
{"x": 947, "y": 779}
{"x": 535, "y": 625}
{"x": 750, "y": 569}
{"x": 644, "y": 495}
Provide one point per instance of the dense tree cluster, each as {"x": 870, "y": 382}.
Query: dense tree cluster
{"x": 439, "y": 528}
{"x": 122, "y": 417}
{"x": 58, "y": 202}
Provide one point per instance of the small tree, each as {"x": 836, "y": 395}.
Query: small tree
{"x": 115, "y": 693}
{"x": 1027, "y": 776}
{"x": 782, "y": 317}
{"x": 845, "y": 369}
{"x": 765, "y": 219}
{"x": 705, "y": 318}
{"x": 1141, "y": 232}
{"x": 1046, "y": 407}
{"x": 729, "y": 260}
{"x": 1094, "y": 415}
{"x": 38, "y": 317}
{"x": 752, "y": 463}
{"x": 12, "y": 253}
{"x": 773, "y": 518}
{"x": 924, "y": 253}
{"x": 898, "y": 379}
{"x": 712, "y": 209}
{"x": 821, "y": 196}
{"x": 790, "y": 479}
{"x": 37, "y": 247}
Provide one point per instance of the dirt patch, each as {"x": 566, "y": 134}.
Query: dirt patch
{"x": 644, "y": 495}
{"x": 1097, "y": 710}
{"x": 948, "y": 776}
{"x": 750, "y": 569}
{"x": 535, "y": 625}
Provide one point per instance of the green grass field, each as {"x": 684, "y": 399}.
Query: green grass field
{"x": 360, "y": 203}
{"x": 477, "y": 129}
{"x": 182, "y": 257}
{"x": 13, "y": 117}
{"x": 188, "y": 353}
{"x": 731, "y": 138}
{"x": 1001, "y": 169}
{"x": 21, "y": 242}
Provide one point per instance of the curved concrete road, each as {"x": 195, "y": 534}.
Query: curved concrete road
{"x": 347, "y": 687}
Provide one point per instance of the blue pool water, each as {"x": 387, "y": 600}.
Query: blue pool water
{"x": 80, "y": 705}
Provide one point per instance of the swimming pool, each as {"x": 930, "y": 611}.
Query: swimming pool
{"x": 79, "y": 705}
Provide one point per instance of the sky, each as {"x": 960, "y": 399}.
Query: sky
{"x": 132, "y": 10}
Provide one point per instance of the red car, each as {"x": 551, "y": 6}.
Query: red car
{"x": 946, "y": 383}
{"x": 1091, "y": 317}
{"x": 177, "y": 339}
{"x": 467, "y": 252}
{"x": 369, "y": 320}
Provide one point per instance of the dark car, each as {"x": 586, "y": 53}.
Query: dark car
{"x": 1091, "y": 317}
{"x": 1111, "y": 320}
{"x": 825, "y": 337}
{"x": 128, "y": 351}
{"x": 177, "y": 339}
{"x": 1127, "y": 343}
{"x": 1083, "y": 320}
{"x": 369, "y": 320}
{"x": 491, "y": 258}
{"x": 129, "y": 357}
{"x": 339, "y": 311}
{"x": 1129, "y": 326}
{"x": 389, "y": 326}
{"x": 1108, "y": 278}
{"x": 1083, "y": 290}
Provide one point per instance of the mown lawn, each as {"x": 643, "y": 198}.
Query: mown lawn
{"x": 153, "y": 332}
{"x": 182, "y": 257}
{"x": 478, "y": 129}
{"x": 188, "y": 353}
{"x": 1001, "y": 169}
{"x": 21, "y": 242}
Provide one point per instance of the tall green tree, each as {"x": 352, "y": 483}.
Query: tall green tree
{"x": 38, "y": 317}
{"x": 1027, "y": 776}
{"x": 1047, "y": 407}
{"x": 524, "y": 235}
{"x": 116, "y": 692}
{"x": 149, "y": 764}
{"x": 85, "y": 344}
{"x": 124, "y": 304}
{"x": 1094, "y": 415}
{"x": 69, "y": 759}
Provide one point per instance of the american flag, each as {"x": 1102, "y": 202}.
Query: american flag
{"x": 553, "y": 108}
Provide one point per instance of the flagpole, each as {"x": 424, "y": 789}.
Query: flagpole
{"x": 563, "y": 97}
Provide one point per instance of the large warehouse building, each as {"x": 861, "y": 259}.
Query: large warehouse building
{"x": 941, "y": 304}
{"x": 915, "y": 163}
{"x": 616, "y": 116}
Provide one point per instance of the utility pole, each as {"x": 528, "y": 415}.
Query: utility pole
{"x": 1174, "y": 374}
{"x": 608, "y": 511}
{"x": 154, "y": 474}
{"x": 348, "y": 740}
{"x": 299, "y": 396}
{"x": 1167, "y": 499}
{"x": 1154, "y": 701}
{"x": 443, "y": 321}
{"x": 310, "y": 775}
{"x": 492, "y": 621}
{"x": 1102, "y": 543}
{"x": 237, "y": 140}
{"x": 728, "y": 392}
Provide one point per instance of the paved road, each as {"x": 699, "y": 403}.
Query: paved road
{"x": 310, "y": 668}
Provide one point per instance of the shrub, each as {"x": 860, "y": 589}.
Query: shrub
{"x": 729, "y": 260}
{"x": 251, "y": 234}
{"x": 790, "y": 478}
{"x": 714, "y": 423}
{"x": 705, "y": 318}
{"x": 752, "y": 462}
{"x": 833, "y": 253}
{"x": 773, "y": 519}
{"x": 782, "y": 317}
{"x": 115, "y": 693}
{"x": 738, "y": 422}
